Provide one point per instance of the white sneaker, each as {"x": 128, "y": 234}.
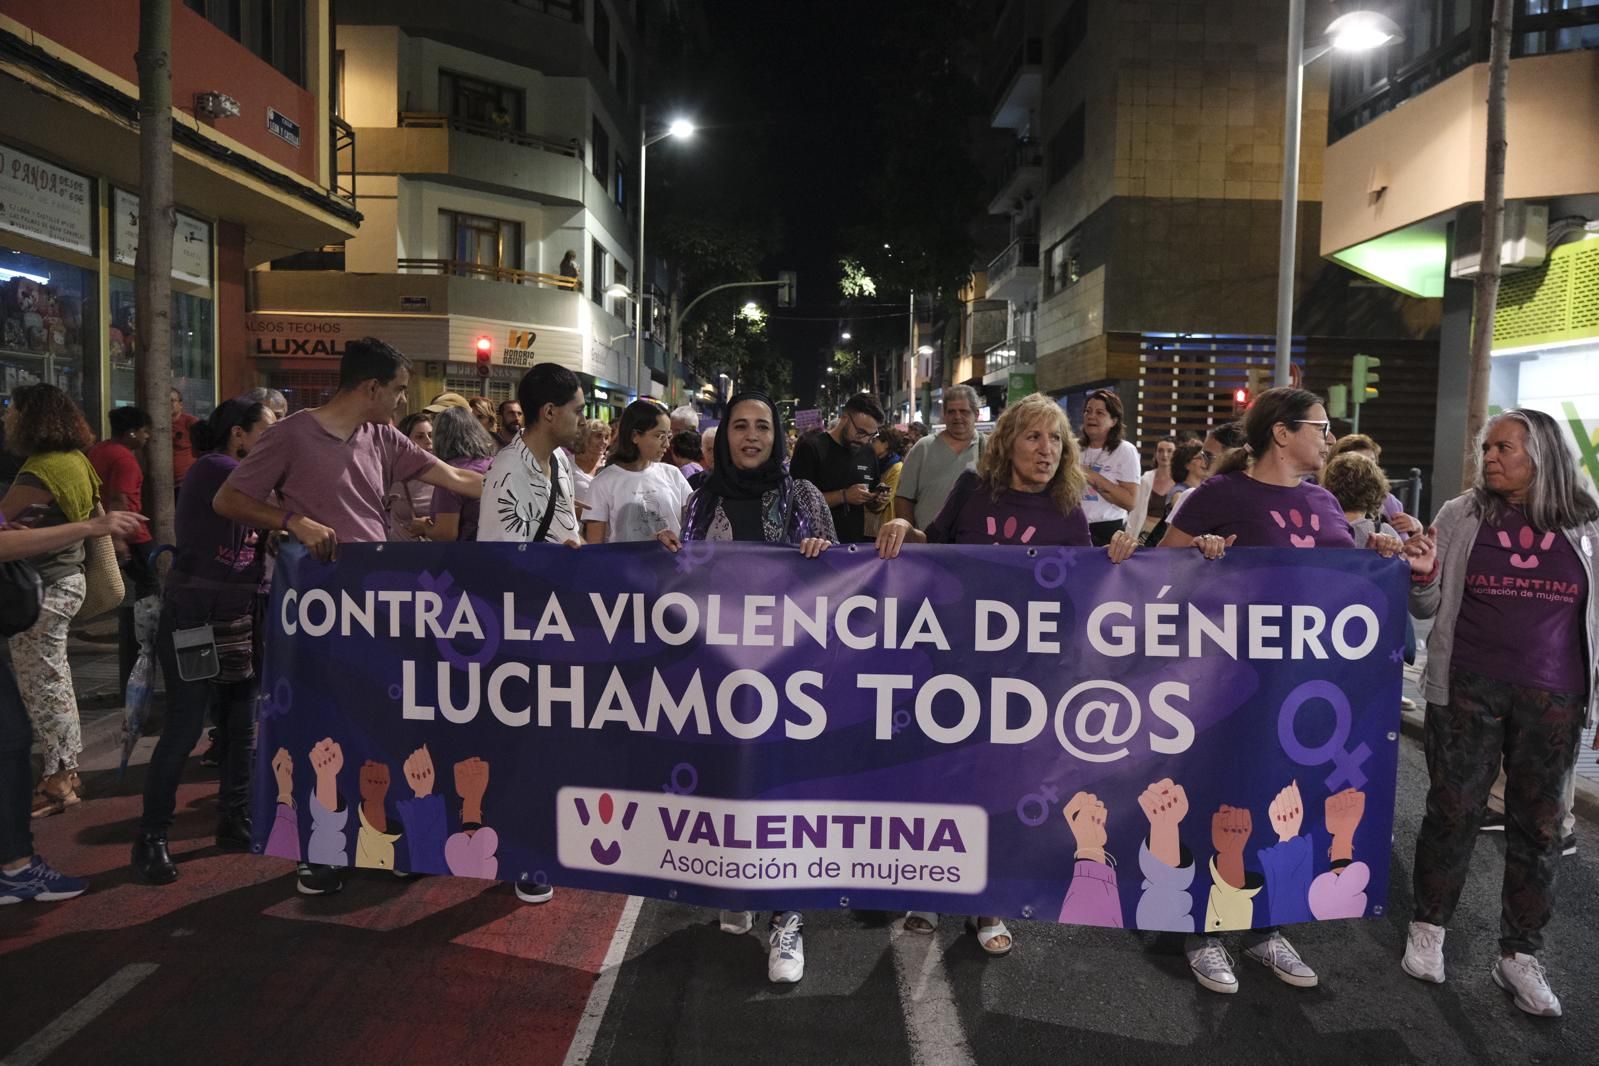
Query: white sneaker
{"x": 785, "y": 961}
{"x": 1424, "y": 952}
{"x": 1276, "y": 952}
{"x": 737, "y": 922}
{"x": 1523, "y": 976}
{"x": 1213, "y": 967}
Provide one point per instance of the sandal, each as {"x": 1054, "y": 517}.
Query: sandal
{"x": 923, "y": 922}
{"x": 987, "y": 934}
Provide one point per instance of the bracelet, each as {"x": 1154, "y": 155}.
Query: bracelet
{"x": 287, "y": 517}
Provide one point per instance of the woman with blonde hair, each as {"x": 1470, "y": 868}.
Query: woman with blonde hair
{"x": 1027, "y": 489}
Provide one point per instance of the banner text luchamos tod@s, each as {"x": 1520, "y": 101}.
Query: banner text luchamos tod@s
{"x": 1169, "y": 743}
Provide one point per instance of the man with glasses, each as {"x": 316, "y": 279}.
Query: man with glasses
{"x": 932, "y": 466}
{"x": 841, "y": 463}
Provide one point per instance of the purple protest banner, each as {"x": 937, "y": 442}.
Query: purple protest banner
{"x": 1169, "y": 743}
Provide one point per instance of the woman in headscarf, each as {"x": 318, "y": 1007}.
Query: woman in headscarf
{"x": 750, "y": 497}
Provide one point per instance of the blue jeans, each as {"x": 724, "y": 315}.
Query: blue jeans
{"x": 16, "y": 771}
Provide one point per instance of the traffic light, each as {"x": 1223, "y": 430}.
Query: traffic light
{"x": 787, "y": 289}
{"x": 485, "y": 352}
{"x": 1363, "y": 386}
{"x": 1338, "y": 401}
{"x": 1241, "y": 400}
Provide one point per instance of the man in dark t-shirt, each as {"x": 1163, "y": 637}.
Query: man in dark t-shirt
{"x": 841, "y": 463}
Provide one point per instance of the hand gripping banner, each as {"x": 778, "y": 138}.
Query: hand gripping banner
{"x": 1167, "y": 743}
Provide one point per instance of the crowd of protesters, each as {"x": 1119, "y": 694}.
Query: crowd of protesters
{"x": 1509, "y": 683}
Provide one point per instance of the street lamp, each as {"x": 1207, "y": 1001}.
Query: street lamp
{"x": 845, "y": 336}
{"x": 681, "y": 128}
{"x": 1357, "y": 31}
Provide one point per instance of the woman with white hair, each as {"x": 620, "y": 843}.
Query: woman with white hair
{"x": 1510, "y": 676}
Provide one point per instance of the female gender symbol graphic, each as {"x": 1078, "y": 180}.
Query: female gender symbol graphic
{"x": 1346, "y": 762}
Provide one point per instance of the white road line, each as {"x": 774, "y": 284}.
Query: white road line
{"x": 43, "y": 1043}
{"x": 600, "y": 997}
{"x": 932, "y": 1021}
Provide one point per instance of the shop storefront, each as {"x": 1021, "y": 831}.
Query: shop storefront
{"x": 68, "y": 244}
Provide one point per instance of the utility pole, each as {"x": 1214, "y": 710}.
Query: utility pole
{"x": 1485, "y": 299}
{"x": 153, "y": 275}
{"x": 911, "y": 389}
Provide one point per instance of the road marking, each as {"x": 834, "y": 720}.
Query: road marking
{"x": 932, "y": 1021}
{"x": 44, "y": 1043}
{"x": 594, "y": 1012}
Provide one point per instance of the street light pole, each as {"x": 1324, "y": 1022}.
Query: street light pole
{"x": 1288, "y": 235}
{"x": 639, "y": 281}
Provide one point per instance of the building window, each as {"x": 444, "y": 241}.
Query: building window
{"x": 193, "y": 351}
{"x": 597, "y": 271}
{"x": 602, "y": 35}
{"x": 1068, "y": 35}
{"x": 484, "y": 103}
{"x": 1066, "y": 147}
{"x": 1063, "y": 265}
{"x": 622, "y": 88}
{"x": 481, "y": 247}
{"x": 338, "y": 83}
{"x": 47, "y": 319}
{"x": 602, "y": 152}
{"x": 272, "y": 29}
{"x": 619, "y": 190}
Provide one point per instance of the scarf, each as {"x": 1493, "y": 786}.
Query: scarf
{"x": 69, "y": 478}
{"x": 740, "y": 491}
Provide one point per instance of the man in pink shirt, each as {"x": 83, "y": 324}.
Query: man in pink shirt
{"x": 321, "y": 474}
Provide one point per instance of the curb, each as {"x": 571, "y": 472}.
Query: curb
{"x": 1586, "y": 803}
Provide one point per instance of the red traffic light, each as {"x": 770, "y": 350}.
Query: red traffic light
{"x": 485, "y": 346}
{"x": 485, "y": 352}
{"x": 1241, "y": 397}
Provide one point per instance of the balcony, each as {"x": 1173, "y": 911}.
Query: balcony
{"x": 477, "y": 154}
{"x": 1017, "y": 90}
{"x": 1023, "y": 173}
{"x": 1012, "y": 355}
{"x": 1013, "y": 273}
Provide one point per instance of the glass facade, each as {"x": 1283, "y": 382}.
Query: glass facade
{"x": 47, "y": 324}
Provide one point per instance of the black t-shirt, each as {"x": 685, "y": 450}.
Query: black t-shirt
{"x": 832, "y": 466}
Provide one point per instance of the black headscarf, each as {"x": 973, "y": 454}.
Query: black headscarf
{"x": 732, "y": 482}
{"x": 739, "y": 492}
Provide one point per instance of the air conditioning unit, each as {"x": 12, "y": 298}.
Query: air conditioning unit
{"x": 1526, "y": 241}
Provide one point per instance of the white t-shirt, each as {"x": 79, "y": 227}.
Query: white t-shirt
{"x": 636, "y": 505}
{"x": 516, "y": 493}
{"x": 1118, "y": 464}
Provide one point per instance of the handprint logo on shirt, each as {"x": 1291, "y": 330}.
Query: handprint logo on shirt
{"x": 1009, "y": 536}
{"x": 1526, "y": 538}
{"x": 1299, "y": 540}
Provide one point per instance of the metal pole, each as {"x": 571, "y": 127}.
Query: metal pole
{"x": 639, "y": 268}
{"x": 912, "y": 390}
{"x": 1286, "y": 245}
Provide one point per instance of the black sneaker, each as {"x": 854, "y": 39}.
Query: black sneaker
{"x": 1568, "y": 846}
{"x": 534, "y": 892}
{"x": 1492, "y": 822}
{"x": 314, "y": 879}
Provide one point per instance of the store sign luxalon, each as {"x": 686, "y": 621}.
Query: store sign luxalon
{"x": 300, "y": 336}
{"x": 191, "y": 240}
{"x": 45, "y": 202}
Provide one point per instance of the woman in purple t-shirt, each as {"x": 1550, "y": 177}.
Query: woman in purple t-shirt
{"x": 216, "y": 583}
{"x": 1509, "y": 584}
{"x": 460, "y": 440}
{"x": 1027, "y": 489}
{"x": 1260, "y": 499}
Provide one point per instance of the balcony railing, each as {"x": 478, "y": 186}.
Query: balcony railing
{"x": 1030, "y": 53}
{"x": 457, "y": 268}
{"x": 343, "y": 159}
{"x": 1022, "y": 252}
{"x": 429, "y": 120}
{"x": 1022, "y": 155}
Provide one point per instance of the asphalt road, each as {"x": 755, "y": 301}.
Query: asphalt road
{"x": 230, "y": 965}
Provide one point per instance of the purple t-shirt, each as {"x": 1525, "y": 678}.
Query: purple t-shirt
{"x": 1521, "y": 617}
{"x": 216, "y": 572}
{"x": 447, "y": 502}
{"x": 1014, "y": 518}
{"x": 338, "y": 482}
{"x": 1262, "y": 515}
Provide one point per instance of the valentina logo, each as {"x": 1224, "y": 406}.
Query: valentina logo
{"x": 606, "y": 854}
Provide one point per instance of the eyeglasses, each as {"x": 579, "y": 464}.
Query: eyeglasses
{"x": 862, "y": 435}
{"x": 1325, "y": 426}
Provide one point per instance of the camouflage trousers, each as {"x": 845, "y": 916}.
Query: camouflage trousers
{"x": 1535, "y": 733}
{"x": 39, "y": 659}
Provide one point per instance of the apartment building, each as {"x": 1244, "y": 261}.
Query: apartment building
{"x": 256, "y": 175}
{"x": 496, "y": 140}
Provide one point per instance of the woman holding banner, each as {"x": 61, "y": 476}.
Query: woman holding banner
{"x": 1509, "y": 583}
{"x": 750, "y": 497}
{"x": 1027, "y": 489}
{"x": 207, "y": 643}
{"x": 636, "y": 496}
{"x": 1260, "y": 499}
